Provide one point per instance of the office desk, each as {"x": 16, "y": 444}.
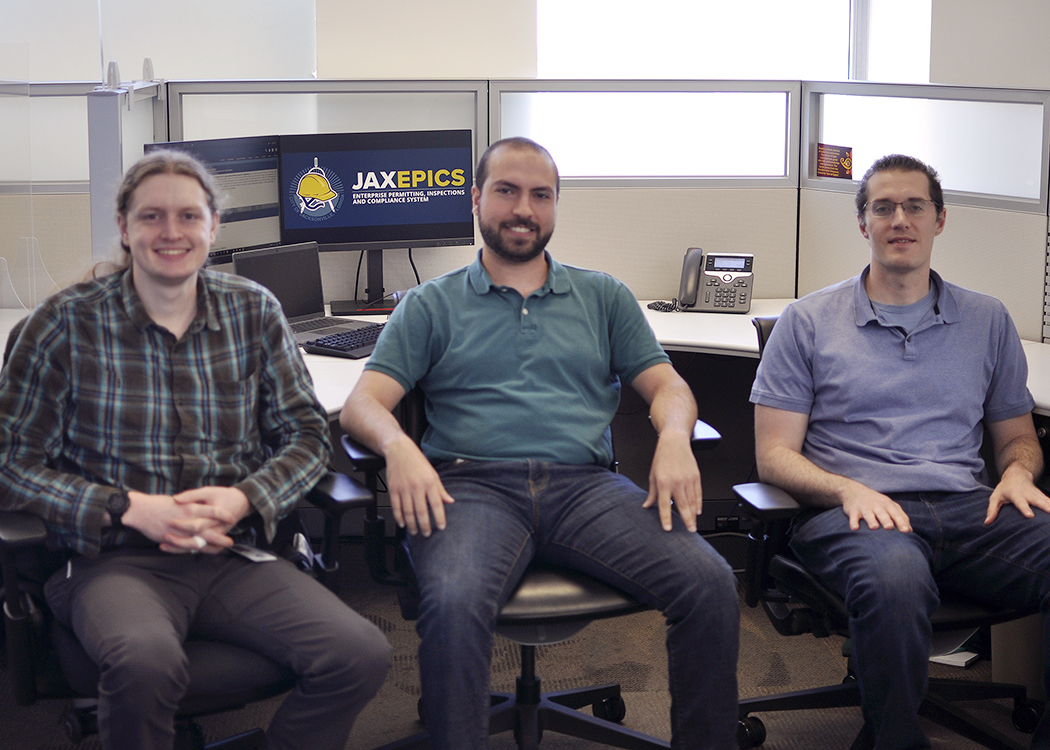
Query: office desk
{"x": 710, "y": 333}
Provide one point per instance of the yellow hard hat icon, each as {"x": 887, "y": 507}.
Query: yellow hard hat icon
{"x": 315, "y": 185}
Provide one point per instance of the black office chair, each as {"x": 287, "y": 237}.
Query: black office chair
{"x": 550, "y": 605}
{"x": 796, "y": 602}
{"x": 45, "y": 660}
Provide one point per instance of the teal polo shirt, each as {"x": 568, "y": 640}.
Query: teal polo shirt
{"x": 507, "y": 377}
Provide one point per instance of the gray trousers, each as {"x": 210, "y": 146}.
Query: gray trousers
{"x": 132, "y": 609}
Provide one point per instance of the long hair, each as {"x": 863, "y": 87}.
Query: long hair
{"x": 163, "y": 161}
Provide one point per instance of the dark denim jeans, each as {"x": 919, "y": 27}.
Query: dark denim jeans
{"x": 891, "y": 582}
{"x": 506, "y": 514}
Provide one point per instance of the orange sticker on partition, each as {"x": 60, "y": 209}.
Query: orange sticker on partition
{"x": 834, "y": 161}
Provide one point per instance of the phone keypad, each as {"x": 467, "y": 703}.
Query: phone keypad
{"x": 727, "y": 296}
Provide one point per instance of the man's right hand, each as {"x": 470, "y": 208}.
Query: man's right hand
{"x": 416, "y": 491}
{"x": 873, "y": 508}
{"x": 158, "y": 517}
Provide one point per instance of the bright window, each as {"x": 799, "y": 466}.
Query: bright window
{"x": 687, "y": 39}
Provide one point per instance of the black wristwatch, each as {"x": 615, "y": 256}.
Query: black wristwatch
{"x": 116, "y": 506}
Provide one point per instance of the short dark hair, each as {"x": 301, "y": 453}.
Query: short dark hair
{"x": 900, "y": 163}
{"x": 518, "y": 142}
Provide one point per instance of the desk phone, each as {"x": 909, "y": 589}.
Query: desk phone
{"x": 716, "y": 282}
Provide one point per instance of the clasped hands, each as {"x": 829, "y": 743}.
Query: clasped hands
{"x": 192, "y": 521}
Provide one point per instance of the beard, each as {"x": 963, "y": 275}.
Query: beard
{"x": 515, "y": 253}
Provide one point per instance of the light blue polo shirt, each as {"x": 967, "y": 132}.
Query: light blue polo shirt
{"x": 513, "y": 378}
{"x": 897, "y": 412}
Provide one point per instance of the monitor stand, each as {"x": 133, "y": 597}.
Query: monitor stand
{"x": 375, "y": 304}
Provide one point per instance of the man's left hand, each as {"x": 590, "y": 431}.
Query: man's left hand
{"x": 1017, "y": 488}
{"x": 674, "y": 480}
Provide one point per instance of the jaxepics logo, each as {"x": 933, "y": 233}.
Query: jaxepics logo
{"x": 317, "y": 193}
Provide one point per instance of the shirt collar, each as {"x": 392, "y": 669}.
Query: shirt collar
{"x": 944, "y": 304}
{"x": 558, "y": 281}
{"x": 206, "y": 310}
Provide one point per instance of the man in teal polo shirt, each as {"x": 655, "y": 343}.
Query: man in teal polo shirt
{"x": 521, "y": 360}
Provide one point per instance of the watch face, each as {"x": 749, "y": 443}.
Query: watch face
{"x": 118, "y": 503}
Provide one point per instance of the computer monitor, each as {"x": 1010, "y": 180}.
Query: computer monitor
{"x": 246, "y": 172}
{"x": 371, "y": 191}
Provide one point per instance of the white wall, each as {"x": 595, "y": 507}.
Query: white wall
{"x": 991, "y": 43}
{"x": 74, "y": 40}
{"x": 426, "y": 39}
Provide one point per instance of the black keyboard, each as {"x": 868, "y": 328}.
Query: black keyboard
{"x": 351, "y": 344}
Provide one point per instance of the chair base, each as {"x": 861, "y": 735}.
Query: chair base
{"x": 80, "y": 721}
{"x": 937, "y": 707}
{"x": 528, "y": 712}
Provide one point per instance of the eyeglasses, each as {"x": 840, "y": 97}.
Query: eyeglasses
{"x": 914, "y": 207}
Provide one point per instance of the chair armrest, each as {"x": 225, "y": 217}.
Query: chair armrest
{"x": 370, "y": 464}
{"x": 765, "y": 502}
{"x": 769, "y": 508}
{"x": 19, "y": 530}
{"x": 362, "y": 459}
{"x": 705, "y": 437}
{"x": 337, "y": 493}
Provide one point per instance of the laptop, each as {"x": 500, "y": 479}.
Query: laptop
{"x": 293, "y": 274}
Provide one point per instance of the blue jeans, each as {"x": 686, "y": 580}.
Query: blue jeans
{"x": 508, "y": 513}
{"x": 891, "y": 581}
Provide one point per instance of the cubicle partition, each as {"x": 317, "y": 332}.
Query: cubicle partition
{"x": 45, "y": 222}
{"x": 650, "y": 168}
{"x": 990, "y": 147}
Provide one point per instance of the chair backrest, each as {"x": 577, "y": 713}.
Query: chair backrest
{"x": 764, "y": 327}
{"x": 12, "y": 337}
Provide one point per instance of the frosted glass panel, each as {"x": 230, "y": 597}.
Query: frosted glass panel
{"x": 654, "y": 134}
{"x": 236, "y": 115}
{"x": 977, "y": 147}
{"x": 15, "y": 162}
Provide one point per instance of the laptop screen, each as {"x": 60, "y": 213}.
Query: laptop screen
{"x": 291, "y": 272}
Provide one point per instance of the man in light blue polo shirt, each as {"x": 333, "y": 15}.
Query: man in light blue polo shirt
{"x": 521, "y": 360}
{"x": 871, "y": 401}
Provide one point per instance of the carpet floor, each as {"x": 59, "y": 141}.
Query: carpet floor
{"x": 628, "y": 650}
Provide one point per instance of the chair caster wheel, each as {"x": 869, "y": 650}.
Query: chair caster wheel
{"x": 79, "y": 724}
{"x": 1026, "y": 716}
{"x": 518, "y": 739}
{"x": 750, "y": 732}
{"x": 611, "y": 709}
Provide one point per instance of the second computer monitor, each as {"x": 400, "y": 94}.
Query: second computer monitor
{"x": 371, "y": 191}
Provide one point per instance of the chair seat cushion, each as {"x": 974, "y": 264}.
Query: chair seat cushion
{"x": 547, "y": 595}
{"x": 222, "y": 676}
{"x": 957, "y": 612}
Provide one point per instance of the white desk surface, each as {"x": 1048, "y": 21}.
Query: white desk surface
{"x": 713, "y": 333}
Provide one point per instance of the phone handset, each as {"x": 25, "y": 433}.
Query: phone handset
{"x": 691, "y": 267}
